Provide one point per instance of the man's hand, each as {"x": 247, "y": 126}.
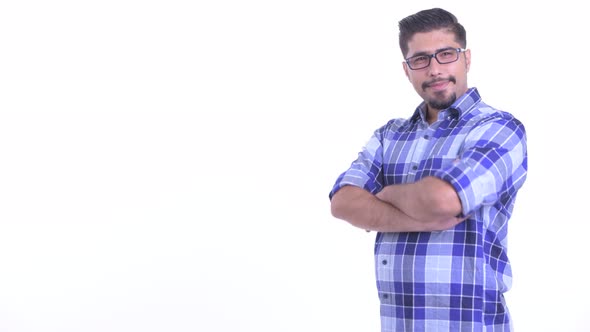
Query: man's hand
{"x": 367, "y": 211}
{"x": 429, "y": 200}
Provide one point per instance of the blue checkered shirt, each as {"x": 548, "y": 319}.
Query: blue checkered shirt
{"x": 452, "y": 280}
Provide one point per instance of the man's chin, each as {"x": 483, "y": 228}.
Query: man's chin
{"x": 441, "y": 104}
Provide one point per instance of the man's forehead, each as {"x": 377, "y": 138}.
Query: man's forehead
{"x": 431, "y": 42}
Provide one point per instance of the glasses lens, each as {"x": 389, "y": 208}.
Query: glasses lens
{"x": 419, "y": 62}
{"x": 448, "y": 55}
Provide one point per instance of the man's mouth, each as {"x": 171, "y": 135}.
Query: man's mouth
{"x": 438, "y": 84}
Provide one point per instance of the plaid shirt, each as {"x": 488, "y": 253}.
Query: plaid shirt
{"x": 451, "y": 280}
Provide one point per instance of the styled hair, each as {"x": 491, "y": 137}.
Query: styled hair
{"x": 429, "y": 20}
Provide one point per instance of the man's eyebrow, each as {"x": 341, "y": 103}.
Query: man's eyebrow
{"x": 445, "y": 48}
{"x": 420, "y": 53}
{"x": 426, "y": 53}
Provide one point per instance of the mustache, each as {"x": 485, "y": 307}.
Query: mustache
{"x": 429, "y": 83}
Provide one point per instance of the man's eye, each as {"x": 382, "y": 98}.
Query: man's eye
{"x": 448, "y": 54}
{"x": 419, "y": 59}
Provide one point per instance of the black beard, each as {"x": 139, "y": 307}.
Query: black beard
{"x": 442, "y": 104}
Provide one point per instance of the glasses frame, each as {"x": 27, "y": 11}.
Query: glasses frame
{"x": 434, "y": 55}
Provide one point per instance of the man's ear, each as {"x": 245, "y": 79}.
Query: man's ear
{"x": 406, "y": 69}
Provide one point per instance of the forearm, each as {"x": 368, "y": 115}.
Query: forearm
{"x": 362, "y": 209}
{"x": 428, "y": 200}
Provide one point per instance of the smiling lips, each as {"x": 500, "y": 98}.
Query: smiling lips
{"x": 439, "y": 84}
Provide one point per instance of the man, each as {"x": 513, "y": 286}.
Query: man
{"x": 439, "y": 187}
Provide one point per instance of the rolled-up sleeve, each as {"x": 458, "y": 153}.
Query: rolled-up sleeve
{"x": 493, "y": 163}
{"x": 365, "y": 171}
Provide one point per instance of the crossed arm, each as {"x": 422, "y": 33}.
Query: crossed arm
{"x": 430, "y": 204}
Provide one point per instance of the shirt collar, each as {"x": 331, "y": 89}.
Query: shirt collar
{"x": 461, "y": 106}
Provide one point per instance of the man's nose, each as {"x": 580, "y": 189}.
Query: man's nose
{"x": 434, "y": 68}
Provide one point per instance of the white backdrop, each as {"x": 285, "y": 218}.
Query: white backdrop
{"x": 165, "y": 165}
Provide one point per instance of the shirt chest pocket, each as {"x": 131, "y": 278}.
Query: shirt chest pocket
{"x": 411, "y": 162}
{"x": 434, "y": 163}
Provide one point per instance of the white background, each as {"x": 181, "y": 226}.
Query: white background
{"x": 165, "y": 165}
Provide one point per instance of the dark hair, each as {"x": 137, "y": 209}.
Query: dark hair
{"x": 429, "y": 20}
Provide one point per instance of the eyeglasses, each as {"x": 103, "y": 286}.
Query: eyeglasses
{"x": 443, "y": 56}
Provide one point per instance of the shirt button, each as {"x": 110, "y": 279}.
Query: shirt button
{"x": 384, "y": 262}
{"x": 426, "y": 136}
{"x": 385, "y": 296}
{"x": 414, "y": 167}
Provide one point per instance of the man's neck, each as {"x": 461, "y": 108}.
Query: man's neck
{"x": 431, "y": 115}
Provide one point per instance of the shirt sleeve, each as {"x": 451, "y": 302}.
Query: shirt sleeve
{"x": 493, "y": 163}
{"x": 365, "y": 172}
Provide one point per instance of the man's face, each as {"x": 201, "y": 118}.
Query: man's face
{"x": 438, "y": 84}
